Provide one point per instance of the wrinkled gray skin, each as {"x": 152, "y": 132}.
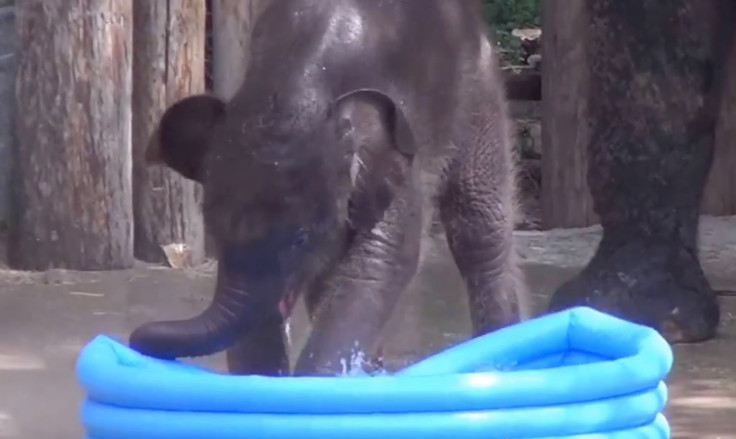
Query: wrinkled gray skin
{"x": 355, "y": 121}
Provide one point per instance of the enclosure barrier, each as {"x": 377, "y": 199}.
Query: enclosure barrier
{"x": 7, "y": 104}
{"x": 573, "y": 374}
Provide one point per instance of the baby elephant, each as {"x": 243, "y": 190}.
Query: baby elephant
{"x": 354, "y": 122}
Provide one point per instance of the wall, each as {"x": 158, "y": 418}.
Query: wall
{"x": 7, "y": 102}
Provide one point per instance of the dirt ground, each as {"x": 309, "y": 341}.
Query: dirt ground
{"x": 45, "y": 318}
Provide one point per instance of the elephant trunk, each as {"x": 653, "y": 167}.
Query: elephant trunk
{"x": 233, "y": 312}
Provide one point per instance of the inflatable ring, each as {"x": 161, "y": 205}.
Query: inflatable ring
{"x": 573, "y": 374}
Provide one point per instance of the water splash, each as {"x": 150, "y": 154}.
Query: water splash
{"x": 359, "y": 366}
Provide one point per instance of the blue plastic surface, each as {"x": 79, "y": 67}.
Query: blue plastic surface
{"x": 574, "y": 374}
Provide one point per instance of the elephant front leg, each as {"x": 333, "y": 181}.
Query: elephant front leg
{"x": 357, "y": 299}
{"x": 262, "y": 351}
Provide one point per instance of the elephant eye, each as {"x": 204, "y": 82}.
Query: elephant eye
{"x": 301, "y": 238}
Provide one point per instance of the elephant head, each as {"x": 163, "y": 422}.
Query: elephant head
{"x": 286, "y": 190}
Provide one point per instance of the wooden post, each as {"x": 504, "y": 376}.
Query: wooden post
{"x": 232, "y": 21}
{"x": 73, "y": 197}
{"x": 7, "y": 106}
{"x": 168, "y": 64}
{"x": 566, "y": 200}
{"x": 719, "y": 197}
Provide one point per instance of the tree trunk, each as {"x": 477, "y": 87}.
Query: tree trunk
{"x": 720, "y": 196}
{"x": 656, "y": 69}
{"x": 73, "y": 197}
{"x": 168, "y": 64}
{"x": 565, "y": 198}
{"x": 7, "y": 107}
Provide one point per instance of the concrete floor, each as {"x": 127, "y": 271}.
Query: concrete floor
{"x": 45, "y": 318}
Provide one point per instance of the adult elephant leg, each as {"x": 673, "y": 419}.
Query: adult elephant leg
{"x": 356, "y": 300}
{"x": 656, "y": 72}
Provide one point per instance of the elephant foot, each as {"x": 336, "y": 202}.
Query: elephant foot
{"x": 660, "y": 285}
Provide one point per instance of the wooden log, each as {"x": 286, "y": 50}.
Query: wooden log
{"x": 565, "y": 199}
{"x": 73, "y": 196}
{"x": 719, "y": 197}
{"x": 168, "y": 64}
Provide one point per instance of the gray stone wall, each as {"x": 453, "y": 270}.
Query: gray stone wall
{"x": 7, "y": 102}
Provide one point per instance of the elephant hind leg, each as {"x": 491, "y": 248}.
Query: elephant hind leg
{"x": 477, "y": 208}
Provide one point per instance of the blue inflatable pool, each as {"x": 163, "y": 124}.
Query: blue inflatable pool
{"x": 575, "y": 374}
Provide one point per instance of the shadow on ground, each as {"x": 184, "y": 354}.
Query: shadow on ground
{"x": 45, "y": 318}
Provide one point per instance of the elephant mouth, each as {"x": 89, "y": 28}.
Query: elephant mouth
{"x": 292, "y": 290}
{"x": 287, "y": 302}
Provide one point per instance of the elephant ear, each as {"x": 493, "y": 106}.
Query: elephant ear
{"x": 182, "y": 139}
{"x": 380, "y": 147}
